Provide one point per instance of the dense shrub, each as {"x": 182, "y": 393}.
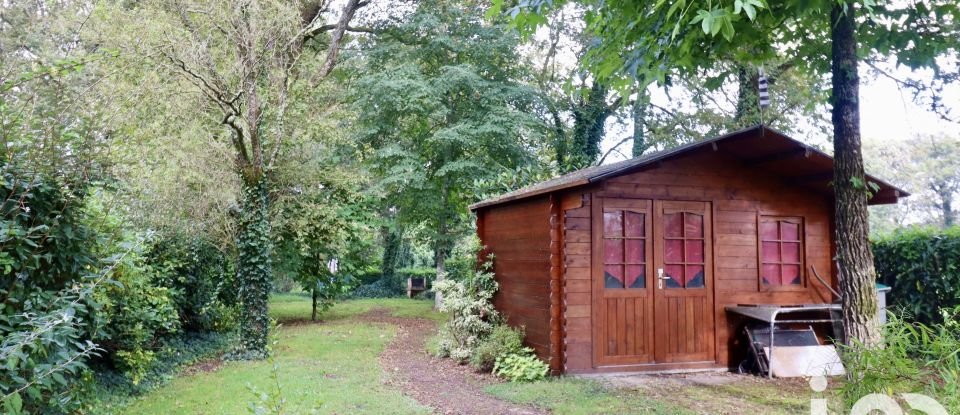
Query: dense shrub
{"x": 522, "y": 366}
{"x": 114, "y": 387}
{"x": 914, "y": 358}
{"x": 922, "y": 267}
{"x": 200, "y": 279}
{"x": 503, "y": 340}
{"x": 472, "y": 317}
{"x": 377, "y": 289}
{"x": 48, "y": 273}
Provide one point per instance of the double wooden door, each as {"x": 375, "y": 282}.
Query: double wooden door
{"x": 652, "y": 282}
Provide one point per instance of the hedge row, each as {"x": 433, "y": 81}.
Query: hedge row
{"x": 922, "y": 265}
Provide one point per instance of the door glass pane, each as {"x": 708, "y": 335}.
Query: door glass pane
{"x": 613, "y": 223}
{"x": 636, "y": 276}
{"x": 693, "y": 250}
{"x": 768, "y": 231}
{"x": 673, "y": 250}
{"x": 693, "y": 225}
{"x": 675, "y": 274}
{"x": 771, "y": 252}
{"x": 789, "y": 231}
{"x": 613, "y": 276}
{"x": 771, "y": 274}
{"x": 634, "y": 224}
{"x": 613, "y": 251}
{"x": 635, "y": 251}
{"x": 694, "y": 276}
{"x": 791, "y": 252}
{"x": 673, "y": 225}
{"x": 791, "y": 275}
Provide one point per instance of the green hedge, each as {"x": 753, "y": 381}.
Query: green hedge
{"x": 417, "y": 272}
{"x": 922, "y": 266}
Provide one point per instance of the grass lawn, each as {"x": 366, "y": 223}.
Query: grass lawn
{"x": 332, "y": 367}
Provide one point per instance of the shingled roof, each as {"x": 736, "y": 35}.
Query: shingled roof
{"x": 793, "y": 160}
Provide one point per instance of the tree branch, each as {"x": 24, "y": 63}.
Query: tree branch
{"x": 336, "y": 38}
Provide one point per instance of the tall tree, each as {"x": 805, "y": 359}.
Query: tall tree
{"x": 439, "y": 104}
{"x": 653, "y": 40}
{"x": 243, "y": 58}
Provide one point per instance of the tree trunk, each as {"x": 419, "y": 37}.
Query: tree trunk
{"x": 391, "y": 252}
{"x": 639, "y": 116}
{"x": 440, "y": 251}
{"x": 313, "y": 313}
{"x": 589, "y": 119}
{"x": 946, "y": 205}
{"x": 748, "y": 97}
{"x": 440, "y": 260}
{"x": 253, "y": 269}
{"x": 857, "y": 276}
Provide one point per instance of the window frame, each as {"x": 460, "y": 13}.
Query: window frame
{"x": 623, "y": 238}
{"x": 796, "y": 219}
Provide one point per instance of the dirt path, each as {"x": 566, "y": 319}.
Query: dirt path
{"x": 441, "y": 384}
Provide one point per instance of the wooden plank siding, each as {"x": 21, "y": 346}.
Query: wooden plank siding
{"x": 519, "y": 235}
{"x": 577, "y": 301}
{"x": 739, "y": 196}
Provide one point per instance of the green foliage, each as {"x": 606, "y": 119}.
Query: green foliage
{"x": 135, "y": 314}
{"x": 440, "y": 105}
{"x": 49, "y": 272}
{"x": 522, "y": 366}
{"x": 471, "y": 313}
{"x": 254, "y": 275}
{"x": 502, "y": 341}
{"x": 43, "y": 242}
{"x": 172, "y": 353}
{"x": 913, "y": 358}
{"x": 200, "y": 279}
{"x": 662, "y": 38}
{"x": 377, "y": 289}
{"x": 922, "y": 267}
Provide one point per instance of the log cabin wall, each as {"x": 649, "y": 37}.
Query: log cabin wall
{"x": 739, "y": 195}
{"x": 519, "y": 236}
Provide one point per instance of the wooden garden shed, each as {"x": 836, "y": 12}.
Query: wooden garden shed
{"x": 629, "y": 266}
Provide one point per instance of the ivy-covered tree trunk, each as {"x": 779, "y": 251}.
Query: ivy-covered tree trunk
{"x": 639, "y": 123}
{"x": 391, "y": 252}
{"x": 254, "y": 269}
{"x": 855, "y": 260}
{"x": 748, "y": 97}
{"x": 589, "y": 119}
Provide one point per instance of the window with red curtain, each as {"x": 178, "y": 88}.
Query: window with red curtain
{"x": 781, "y": 251}
{"x": 624, "y": 249}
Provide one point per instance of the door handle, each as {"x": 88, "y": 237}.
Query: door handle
{"x": 660, "y": 278}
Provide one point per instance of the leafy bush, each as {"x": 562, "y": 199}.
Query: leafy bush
{"x": 200, "y": 279}
{"x": 922, "y": 267}
{"x": 378, "y": 289}
{"x": 48, "y": 274}
{"x": 114, "y": 387}
{"x": 522, "y": 366}
{"x": 417, "y": 272}
{"x": 135, "y": 314}
{"x": 503, "y": 340}
{"x": 913, "y": 358}
{"x": 472, "y": 315}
